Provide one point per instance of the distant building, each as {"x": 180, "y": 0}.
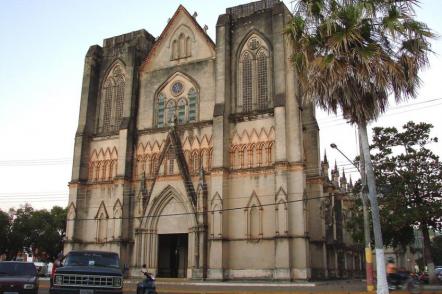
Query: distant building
{"x": 197, "y": 159}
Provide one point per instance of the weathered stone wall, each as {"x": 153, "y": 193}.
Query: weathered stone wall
{"x": 256, "y": 213}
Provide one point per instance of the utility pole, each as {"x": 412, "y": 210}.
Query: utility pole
{"x": 367, "y": 237}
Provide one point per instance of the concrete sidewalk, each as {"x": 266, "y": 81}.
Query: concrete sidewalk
{"x": 249, "y": 287}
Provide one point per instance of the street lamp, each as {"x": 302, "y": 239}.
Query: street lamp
{"x": 364, "y": 198}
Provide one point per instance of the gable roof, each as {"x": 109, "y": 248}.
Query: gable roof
{"x": 166, "y": 30}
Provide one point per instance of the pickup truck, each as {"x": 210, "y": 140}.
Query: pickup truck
{"x": 88, "y": 272}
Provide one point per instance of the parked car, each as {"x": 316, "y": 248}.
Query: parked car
{"x": 18, "y": 277}
{"x": 88, "y": 272}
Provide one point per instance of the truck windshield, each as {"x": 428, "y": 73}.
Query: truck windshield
{"x": 92, "y": 259}
{"x": 17, "y": 269}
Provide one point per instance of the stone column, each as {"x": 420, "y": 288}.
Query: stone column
{"x": 221, "y": 140}
{"x": 283, "y": 260}
{"x": 86, "y": 124}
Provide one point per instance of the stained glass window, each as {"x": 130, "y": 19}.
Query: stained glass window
{"x": 160, "y": 118}
{"x": 193, "y": 96}
{"x": 177, "y": 100}
{"x": 170, "y": 110}
{"x": 182, "y": 111}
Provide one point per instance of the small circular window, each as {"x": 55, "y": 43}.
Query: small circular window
{"x": 177, "y": 88}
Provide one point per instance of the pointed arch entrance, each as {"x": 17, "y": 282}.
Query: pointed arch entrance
{"x": 165, "y": 240}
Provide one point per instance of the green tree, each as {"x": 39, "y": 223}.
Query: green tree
{"x": 352, "y": 55}
{"x": 410, "y": 177}
{"x": 43, "y": 230}
{"x": 5, "y": 224}
{"x": 21, "y": 228}
{"x": 58, "y": 232}
{"x": 436, "y": 250}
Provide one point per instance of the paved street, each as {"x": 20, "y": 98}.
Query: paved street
{"x": 173, "y": 286}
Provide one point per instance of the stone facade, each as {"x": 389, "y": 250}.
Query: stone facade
{"x": 196, "y": 158}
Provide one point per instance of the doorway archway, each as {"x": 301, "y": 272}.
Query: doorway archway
{"x": 166, "y": 238}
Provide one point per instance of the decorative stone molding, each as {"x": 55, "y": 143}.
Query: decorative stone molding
{"x": 253, "y": 149}
{"x": 198, "y": 151}
{"x": 103, "y": 164}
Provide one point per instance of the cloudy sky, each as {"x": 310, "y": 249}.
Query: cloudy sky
{"x": 43, "y": 44}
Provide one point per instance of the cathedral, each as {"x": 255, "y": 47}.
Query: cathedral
{"x": 196, "y": 157}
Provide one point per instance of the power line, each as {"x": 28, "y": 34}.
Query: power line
{"x": 208, "y": 211}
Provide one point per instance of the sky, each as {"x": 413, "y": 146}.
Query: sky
{"x": 42, "y": 49}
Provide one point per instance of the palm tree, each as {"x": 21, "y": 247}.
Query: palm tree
{"x": 352, "y": 55}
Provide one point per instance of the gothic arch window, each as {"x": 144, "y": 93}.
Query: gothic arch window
{"x": 182, "y": 46}
{"x": 193, "y": 100}
{"x": 108, "y": 87}
{"x": 281, "y": 216}
{"x": 117, "y": 220}
{"x": 182, "y": 105}
{"x": 178, "y": 97}
{"x": 154, "y": 164}
{"x": 112, "y": 98}
{"x": 254, "y": 75}
{"x": 175, "y": 49}
{"x": 216, "y": 218}
{"x": 254, "y": 222}
{"x": 182, "y": 43}
{"x": 262, "y": 76}
{"x": 170, "y": 163}
{"x": 254, "y": 214}
{"x": 97, "y": 171}
{"x": 102, "y": 227}
{"x": 195, "y": 162}
{"x": 170, "y": 111}
{"x": 160, "y": 118}
{"x": 119, "y": 97}
{"x": 188, "y": 47}
{"x": 247, "y": 82}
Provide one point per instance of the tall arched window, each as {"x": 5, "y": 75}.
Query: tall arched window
{"x": 119, "y": 97}
{"x": 195, "y": 162}
{"x": 254, "y": 222}
{"x": 247, "y": 82}
{"x": 188, "y": 47}
{"x": 254, "y": 75}
{"x": 154, "y": 164}
{"x": 102, "y": 228}
{"x": 112, "y": 99}
{"x": 108, "y": 88}
{"x": 175, "y": 49}
{"x": 182, "y": 46}
{"x": 182, "y": 104}
{"x": 193, "y": 97}
{"x": 160, "y": 110}
{"x": 263, "y": 89}
{"x": 170, "y": 110}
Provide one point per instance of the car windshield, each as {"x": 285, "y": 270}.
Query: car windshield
{"x": 92, "y": 259}
{"x": 17, "y": 269}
